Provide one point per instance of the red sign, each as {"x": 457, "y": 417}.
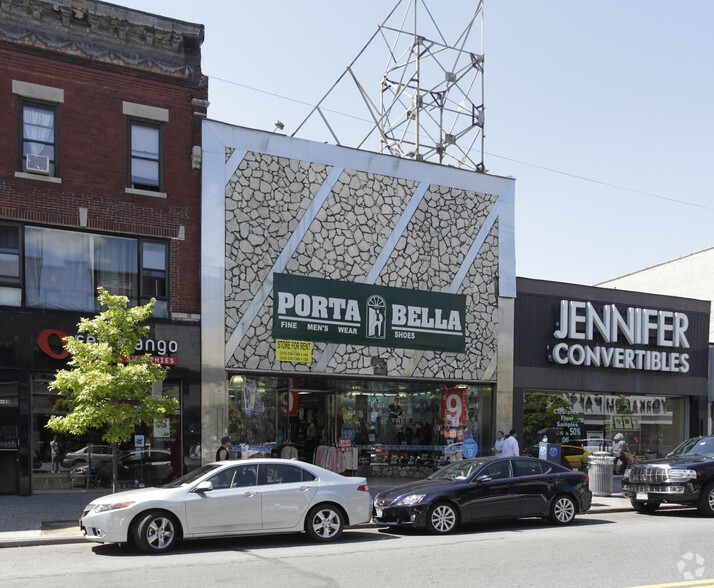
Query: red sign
{"x": 43, "y": 340}
{"x": 289, "y": 404}
{"x": 345, "y": 443}
{"x": 453, "y": 407}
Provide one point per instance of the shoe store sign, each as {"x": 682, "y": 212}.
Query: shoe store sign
{"x": 313, "y": 309}
{"x": 632, "y": 339}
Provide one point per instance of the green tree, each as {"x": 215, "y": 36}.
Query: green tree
{"x": 106, "y": 387}
{"x": 539, "y": 414}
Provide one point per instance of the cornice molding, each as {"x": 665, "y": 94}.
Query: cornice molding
{"x": 106, "y": 33}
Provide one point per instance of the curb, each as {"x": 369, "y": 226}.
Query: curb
{"x": 40, "y": 541}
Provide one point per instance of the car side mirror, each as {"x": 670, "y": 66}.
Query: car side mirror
{"x": 484, "y": 478}
{"x": 204, "y": 487}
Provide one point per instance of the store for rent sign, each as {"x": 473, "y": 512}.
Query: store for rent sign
{"x": 632, "y": 339}
{"x": 312, "y": 309}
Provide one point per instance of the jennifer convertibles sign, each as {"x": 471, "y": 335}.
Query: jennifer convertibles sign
{"x": 312, "y": 309}
{"x": 633, "y": 339}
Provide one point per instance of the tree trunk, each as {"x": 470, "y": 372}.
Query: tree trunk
{"x": 114, "y": 468}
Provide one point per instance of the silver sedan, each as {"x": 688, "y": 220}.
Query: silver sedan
{"x": 231, "y": 498}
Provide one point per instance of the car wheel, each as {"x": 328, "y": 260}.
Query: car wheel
{"x": 562, "y": 510}
{"x": 644, "y": 507}
{"x": 324, "y": 523}
{"x": 442, "y": 518}
{"x": 156, "y": 532}
{"x": 705, "y": 504}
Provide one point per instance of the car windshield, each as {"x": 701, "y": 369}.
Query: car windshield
{"x": 459, "y": 470}
{"x": 698, "y": 446}
{"x": 192, "y": 476}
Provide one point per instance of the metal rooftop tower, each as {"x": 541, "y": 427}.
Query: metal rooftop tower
{"x": 429, "y": 103}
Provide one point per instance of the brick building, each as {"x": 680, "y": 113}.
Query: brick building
{"x": 100, "y": 135}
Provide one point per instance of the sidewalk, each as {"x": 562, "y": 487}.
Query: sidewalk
{"x": 46, "y": 519}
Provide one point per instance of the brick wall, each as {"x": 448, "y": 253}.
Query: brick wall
{"x": 93, "y": 157}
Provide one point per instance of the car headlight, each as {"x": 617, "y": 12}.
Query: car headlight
{"x": 628, "y": 471}
{"x": 115, "y": 506}
{"x": 409, "y": 500}
{"x": 682, "y": 474}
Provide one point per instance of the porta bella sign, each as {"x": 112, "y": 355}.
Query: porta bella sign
{"x": 313, "y": 309}
{"x": 633, "y": 339}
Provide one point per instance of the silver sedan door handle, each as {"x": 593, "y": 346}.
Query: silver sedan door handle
{"x": 249, "y": 493}
{"x": 304, "y": 488}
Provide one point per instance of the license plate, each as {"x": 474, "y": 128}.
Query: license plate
{"x": 379, "y": 513}
{"x": 641, "y": 496}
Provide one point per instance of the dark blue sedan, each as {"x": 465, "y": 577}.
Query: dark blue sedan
{"x": 484, "y": 489}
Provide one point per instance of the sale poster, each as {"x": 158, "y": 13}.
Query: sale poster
{"x": 289, "y": 403}
{"x": 453, "y": 407}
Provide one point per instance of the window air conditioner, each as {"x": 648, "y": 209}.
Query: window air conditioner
{"x": 38, "y": 164}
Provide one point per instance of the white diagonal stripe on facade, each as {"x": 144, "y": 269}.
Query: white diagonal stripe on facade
{"x": 281, "y": 263}
{"x": 470, "y": 256}
{"x": 233, "y": 162}
{"x": 461, "y": 274}
{"x": 382, "y": 258}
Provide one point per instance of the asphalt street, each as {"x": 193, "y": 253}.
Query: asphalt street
{"x": 44, "y": 519}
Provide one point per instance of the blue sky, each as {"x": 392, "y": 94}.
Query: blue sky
{"x": 602, "y": 111}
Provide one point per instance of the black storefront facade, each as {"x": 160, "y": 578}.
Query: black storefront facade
{"x": 31, "y": 353}
{"x": 590, "y": 363}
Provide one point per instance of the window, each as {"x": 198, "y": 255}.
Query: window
{"x": 10, "y": 277}
{"x": 237, "y": 477}
{"x": 530, "y": 468}
{"x": 38, "y": 136}
{"x": 63, "y": 269}
{"x": 498, "y": 471}
{"x": 285, "y": 474}
{"x": 146, "y": 155}
{"x": 153, "y": 275}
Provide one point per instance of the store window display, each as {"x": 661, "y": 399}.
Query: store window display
{"x": 85, "y": 461}
{"x": 651, "y": 425}
{"x": 386, "y": 422}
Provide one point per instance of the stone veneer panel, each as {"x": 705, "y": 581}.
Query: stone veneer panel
{"x": 265, "y": 200}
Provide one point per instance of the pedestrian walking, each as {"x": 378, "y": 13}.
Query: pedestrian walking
{"x": 222, "y": 451}
{"x": 621, "y": 451}
{"x": 510, "y": 444}
{"x": 498, "y": 445}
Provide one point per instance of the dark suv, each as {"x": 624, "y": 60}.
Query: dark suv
{"x": 685, "y": 476}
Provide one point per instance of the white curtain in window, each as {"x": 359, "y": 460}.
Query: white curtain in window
{"x": 115, "y": 266}
{"x": 63, "y": 269}
{"x": 38, "y": 125}
{"x": 58, "y": 272}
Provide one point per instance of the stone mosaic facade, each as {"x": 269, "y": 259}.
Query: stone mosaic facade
{"x": 265, "y": 200}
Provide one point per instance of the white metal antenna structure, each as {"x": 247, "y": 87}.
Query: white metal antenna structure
{"x": 429, "y": 103}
